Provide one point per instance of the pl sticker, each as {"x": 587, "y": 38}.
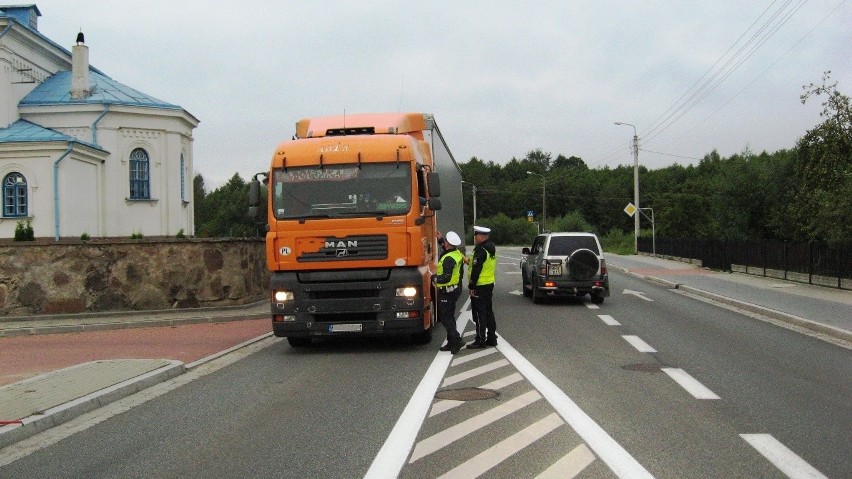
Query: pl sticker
{"x": 284, "y": 251}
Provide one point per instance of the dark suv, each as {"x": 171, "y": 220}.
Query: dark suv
{"x": 565, "y": 264}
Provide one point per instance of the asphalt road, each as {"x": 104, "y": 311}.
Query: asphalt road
{"x": 582, "y": 392}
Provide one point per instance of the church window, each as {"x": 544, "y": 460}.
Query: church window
{"x": 140, "y": 183}
{"x": 14, "y": 195}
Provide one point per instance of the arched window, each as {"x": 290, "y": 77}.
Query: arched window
{"x": 14, "y": 195}
{"x": 140, "y": 184}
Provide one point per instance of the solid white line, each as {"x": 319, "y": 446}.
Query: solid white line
{"x": 570, "y": 465}
{"x": 692, "y": 386}
{"x": 391, "y": 457}
{"x": 782, "y": 457}
{"x": 640, "y": 345}
{"x": 474, "y": 372}
{"x": 484, "y": 461}
{"x": 609, "y": 320}
{"x": 447, "y": 404}
{"x": 452, "y": 434}
{"x": 606, "y": 448}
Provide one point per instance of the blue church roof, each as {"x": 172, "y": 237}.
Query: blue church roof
{"x": 26, "y": 131}
{"x": 56, "y": 90}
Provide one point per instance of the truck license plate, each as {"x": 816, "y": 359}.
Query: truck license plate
{"x": 344, "y": 328}
{"x": 554, "y": 270}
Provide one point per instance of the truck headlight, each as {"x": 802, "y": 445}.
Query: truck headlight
{"x": 281, "y": 296}
{"x": 406, "y": 292}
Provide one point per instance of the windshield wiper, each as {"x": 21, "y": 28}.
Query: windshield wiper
{"x": 302, "y": 218}
{"x": 363, "y": 213}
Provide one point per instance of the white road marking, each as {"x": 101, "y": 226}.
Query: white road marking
{"x": 638, "y": 294}
{"x": 391, "y": 457}
{"x": 692, "y": 386}
{"x": 487, "y": 459}
{"x": 474, "y": 372}
{"x": 470, "y": 357}
{"x": 640, "y": 345}
{"x": 609, "y": 320}
{"x": 447, "y": 404}
{"x": 570, "y": 465}
{"x": 604, "y": 446}
{"x": 782, "y": 457}
{"x": 454, "y": 433}
{"x": 592, "y": 306}
{"x": 516, "y": 292}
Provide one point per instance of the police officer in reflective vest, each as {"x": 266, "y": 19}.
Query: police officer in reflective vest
{"x": 481, "y": 286}
{"x": 448, "y": 279}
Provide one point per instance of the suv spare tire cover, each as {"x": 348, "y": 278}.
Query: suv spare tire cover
{"x": 583, "y": 264}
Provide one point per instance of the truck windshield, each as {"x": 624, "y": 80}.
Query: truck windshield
{"x": 368, "y": 189}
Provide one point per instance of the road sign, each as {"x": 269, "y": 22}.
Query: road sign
{"x": 630, "y": 209}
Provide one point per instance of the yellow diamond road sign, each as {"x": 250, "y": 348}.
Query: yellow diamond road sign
{"x": 630, "y": 209}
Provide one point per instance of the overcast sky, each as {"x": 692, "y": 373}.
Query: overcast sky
{"x": 502, "y": 78}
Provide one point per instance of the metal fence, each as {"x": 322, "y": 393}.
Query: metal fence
{"x": 813, "y": 263}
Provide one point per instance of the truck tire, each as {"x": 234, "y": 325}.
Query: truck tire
{"x": 425, "y": 337}
{"x": 583, "y": 264}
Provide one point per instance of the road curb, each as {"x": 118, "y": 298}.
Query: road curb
{"x": 814, "y": 326}
{"x": 62, "y": 413}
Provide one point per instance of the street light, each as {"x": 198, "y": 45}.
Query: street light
{"x": 543, "y": 200}
{"x": 473, "y": 187}
{"x": 635, "y": 186}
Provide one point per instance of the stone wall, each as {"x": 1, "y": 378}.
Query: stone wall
{"x": 56, "y": 278}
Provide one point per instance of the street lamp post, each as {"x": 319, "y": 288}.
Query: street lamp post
{"x": 635, "y": 187}
{"x": 473, "y": 188}
{"x": 543, "y": 200}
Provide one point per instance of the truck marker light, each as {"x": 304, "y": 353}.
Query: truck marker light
{"x": 407, "y": 314}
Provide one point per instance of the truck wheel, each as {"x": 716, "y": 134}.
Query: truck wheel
{"x": 426, "y": 336}
{"x": 299, "y": 342}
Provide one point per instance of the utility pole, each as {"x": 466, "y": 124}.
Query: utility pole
{"x": 635, "y": 187}
{"x": 543, "y": 200}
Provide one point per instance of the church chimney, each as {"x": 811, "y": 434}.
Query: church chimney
{"x": 79, "y": 69}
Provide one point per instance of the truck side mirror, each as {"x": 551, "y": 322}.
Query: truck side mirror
{"x": 254, "y": 193}
{"x": 434, "y": 185}
{"x": 434, "y": 204}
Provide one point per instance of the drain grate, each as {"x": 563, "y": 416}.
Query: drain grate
{"x": 467, "y": 394}
{"x": 642, "y": 367}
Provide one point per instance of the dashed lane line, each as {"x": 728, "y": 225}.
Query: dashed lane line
{"x": 494, "y": 455}
{"x": 640, "y": 345}
{"x": 450, "y": 435}
{"x": 608, "y": 320}
{"x": 782, "y": 457}
{"x": 692, "y": 385}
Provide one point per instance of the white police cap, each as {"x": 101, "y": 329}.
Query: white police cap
{"x": 481, "y": 229}
{"x": 453, "y": 238}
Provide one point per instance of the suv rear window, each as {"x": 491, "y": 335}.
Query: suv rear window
{"x": 565, "y": 245}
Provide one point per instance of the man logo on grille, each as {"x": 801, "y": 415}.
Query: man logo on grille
{"x": 342, "y": 252}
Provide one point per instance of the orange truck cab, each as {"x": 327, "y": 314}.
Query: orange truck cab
{"x": 352, "y": 210}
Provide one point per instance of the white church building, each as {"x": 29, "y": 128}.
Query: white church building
{"x": 80, "y": 153}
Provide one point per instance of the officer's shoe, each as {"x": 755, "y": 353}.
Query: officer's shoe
{"x": 457, "y": 346}
{"x": 477, "y": 345}
{"x": 491, "y": 341}
{"x": 446, "y": 347}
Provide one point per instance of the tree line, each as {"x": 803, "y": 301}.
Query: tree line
{"x": 798, "y": 194}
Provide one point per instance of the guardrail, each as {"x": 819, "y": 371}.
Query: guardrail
{"x": 812, "y": 263}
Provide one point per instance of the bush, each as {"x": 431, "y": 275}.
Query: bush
{"x": 85, "y": 237}
{"x": 180, "y": 234}
{"x": 617, "y": 241}
{"x": 24, "y": 231}
{"x": 137, "y": 235}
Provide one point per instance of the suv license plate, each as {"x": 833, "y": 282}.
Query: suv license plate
{"x": 344, "y": 328}
{"x": 554, "y": 270}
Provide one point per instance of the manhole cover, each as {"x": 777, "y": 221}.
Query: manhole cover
{"x": 642, "y": 367}
{"x": 467, "y": 394}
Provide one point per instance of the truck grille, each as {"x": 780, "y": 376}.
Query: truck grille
{"x": 349, "y": 248}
